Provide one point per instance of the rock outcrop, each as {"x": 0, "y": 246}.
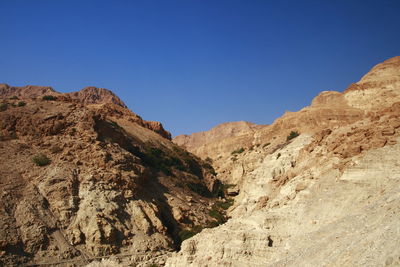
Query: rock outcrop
{"x": 83, "y": 178}
{"x": 86, "y": 96}
{"x": 94, "y": 95}
{"x": 84, "y": 181}
{"x": 29, "y": 91}
{"x": 328, "y": 197}
{"x": 216, "y": 134}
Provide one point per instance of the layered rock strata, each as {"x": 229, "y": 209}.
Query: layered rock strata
{"x": 328, "y": 197}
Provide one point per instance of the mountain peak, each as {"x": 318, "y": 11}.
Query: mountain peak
{"x": 95, "y": 95}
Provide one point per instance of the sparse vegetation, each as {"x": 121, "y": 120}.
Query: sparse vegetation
{"x": 188, "y": 233}
{"x": 292, "y": 135}
{"x": 210, "y": 168}
{"x": 217, "y": 215}
{"x": 278, "y": 155}
{"x": 49, "y": 98}
{"x": 21, "y": 104}
{"x": 238, "y": 151}
{"x": 41, "y": 160}
{"x": 218, "y": 211}
{"x": 191, "y": 163}
{"x": 14, "y": 97}
{"x": 157, "y": 159}
{"x": 3, "y": 106}
{"x": 266, "y": 144}
{"x": 224, "y": 205}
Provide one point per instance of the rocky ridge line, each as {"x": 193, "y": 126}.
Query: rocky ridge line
{"x": 87, "y": 96}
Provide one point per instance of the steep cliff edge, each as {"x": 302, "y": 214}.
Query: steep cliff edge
{"x": 327, "y": 197}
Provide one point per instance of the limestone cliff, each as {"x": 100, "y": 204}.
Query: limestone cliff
{"x": 328, "y": 197}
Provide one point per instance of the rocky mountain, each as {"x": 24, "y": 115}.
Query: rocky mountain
{"x": 216, "y": 134}
{"x": 83, "y": 178}
{"x": 86, "y": 96}
{"x": 29, "y": 91}
{"x": 318, "y": 187}
{"x": 94, "y": 95}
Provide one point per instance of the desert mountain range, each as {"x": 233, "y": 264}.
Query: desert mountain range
{"x": 85, "y": 179}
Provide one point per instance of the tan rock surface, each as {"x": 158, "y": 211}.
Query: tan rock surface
{"x": 329, "y": 197}
{"x": 112, "y": 186}
{"x": 218, "y": 133}
{"x": 87, "y": 96}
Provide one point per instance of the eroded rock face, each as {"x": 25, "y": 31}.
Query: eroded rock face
{"x": 94, "y": 95}
{"x": 100, "y": 97}
{"x": 29, "y": 91}
{"x": 109, "y": 186}
{"x": 319, "y": 217}
{"x": 218, "y": 133}
{"x": 328, "y": 197}
{"x": 366, "y": 100}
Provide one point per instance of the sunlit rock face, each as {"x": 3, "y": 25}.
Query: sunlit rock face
{"x": 86, "y": 178}
{"x": 328, "y": 197}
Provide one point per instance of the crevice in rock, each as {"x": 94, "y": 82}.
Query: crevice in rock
{"x": 270, "y": 242}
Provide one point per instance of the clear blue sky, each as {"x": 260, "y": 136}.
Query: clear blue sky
{"x": 195, "y": 64}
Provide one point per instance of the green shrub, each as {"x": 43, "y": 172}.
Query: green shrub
{"x": 238, "y": 151}
{"x": 185, "y": 234}
{"x": 188, "y": 233}
{"x": 21, "y": 104}
{"x": 224, "y": 205}
{"x": 14, "y": 97}
{"x": 49, "y": 98}
{"x": 3, "y": 106}
{"x": 212, "y": 224}
{"x": 293, "y": 134}
{"x": 218, "y": 215}
{"x": 218, "y": 211}
{"x": 41, "y": 160}
{"x": 165, "y": 160}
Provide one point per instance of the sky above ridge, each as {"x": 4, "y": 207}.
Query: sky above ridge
{"x": 194, "y": 64}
